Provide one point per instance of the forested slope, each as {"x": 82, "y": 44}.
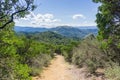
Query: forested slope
{"x": 21, "y": 57}
{"x": 24, "y": 56}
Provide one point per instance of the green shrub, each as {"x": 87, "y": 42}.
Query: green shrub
{"x": 38, "y": 62}
{"x": 11, "y": 69}
{"x": 22, "y": 72}
{"x": 113, "y": 73}
{"x": 20, "y": 56}
{"x": 67, "y": 50}
{"x": 89, "y": 54}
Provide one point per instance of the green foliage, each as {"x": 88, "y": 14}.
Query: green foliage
{"x": 113, "y": 73}
{"x": 19, "y": 56}
{"x": 49, "y": 38}
{"x": 108, "y": 22}
{"x": 104, "y": 45}
{"x": 38, "y": 62}
{"x": 66, "y": 50}
{"x": 17, "y": 8}
{"x": 22, "y": 72}
{"x": 55, "y": 43}
{"x": 10, "y": 67}
{"x": 88, "y": 53}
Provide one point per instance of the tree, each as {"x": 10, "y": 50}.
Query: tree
{"x": 11, "y": 9}
{"x": 10, "y": 66}
{"x": 108, "y": 22}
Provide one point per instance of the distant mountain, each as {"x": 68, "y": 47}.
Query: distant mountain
{"x": 87, "y": 27}
{"x": 67, "y": 31}
{"x": 29, "y": 29}
{"x": 74, "y": 32}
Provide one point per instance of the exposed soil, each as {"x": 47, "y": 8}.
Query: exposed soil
{"x": 61, "y": 70}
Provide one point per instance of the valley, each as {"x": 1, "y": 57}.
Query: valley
{"x": 59, "y": 39}
{"x": 67, "y": 31}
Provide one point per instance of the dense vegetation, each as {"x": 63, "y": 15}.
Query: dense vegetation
{"x": 89, "y": 54}
{"x": 108, "y": 22}
{"x": 103, "y": 51}
{"x": 21, "y": 57}
{"x": 50, "y": 37}
{"x": 67, "y": 31}
{"x": 62, "y": 45}
{"x": 16, "y": 9}
{"x": 24, "y": 55}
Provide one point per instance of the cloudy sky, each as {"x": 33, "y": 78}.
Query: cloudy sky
{"x": 51, "y": 13}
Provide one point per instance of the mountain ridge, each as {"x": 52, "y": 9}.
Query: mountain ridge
{"x": 67, "y": 31}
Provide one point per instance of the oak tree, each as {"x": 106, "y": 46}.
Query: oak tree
{"x": 108, "y": 22}
{"x": 11, "y": 9}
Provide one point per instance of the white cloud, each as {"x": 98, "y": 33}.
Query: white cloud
{"x": 51, "y": 25}
{"x": 78, "y": 16}
{"x": 48, "y": 20}
{"x": 40, "y": 18}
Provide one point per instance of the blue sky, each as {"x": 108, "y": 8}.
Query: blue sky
{"x": 52, "y": 13}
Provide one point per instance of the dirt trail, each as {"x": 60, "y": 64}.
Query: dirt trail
{"x": 61, "y": 70}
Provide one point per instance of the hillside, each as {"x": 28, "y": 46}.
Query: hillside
{"x": 67, "y": 31}
{"x": 59, "y": 39}
{"x": 29, "y": 29}
{"x": 49, "y": 37}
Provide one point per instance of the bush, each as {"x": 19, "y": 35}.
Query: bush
{"x": 67, "y": 50}
{"x": 22, "y": 72}
{"x": 11, "y": 69}
{"x": 38, "y": 62}
{"x": 89, "y": 54}
{"x": 17, "y": 54}
{"x": 113, "y": 73}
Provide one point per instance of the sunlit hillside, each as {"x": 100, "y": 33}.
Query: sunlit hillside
{"x": 59, "y": 39}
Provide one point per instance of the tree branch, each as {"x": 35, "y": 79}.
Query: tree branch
{"x": 12, "y": 16}
{"x": 2, "y": 16}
